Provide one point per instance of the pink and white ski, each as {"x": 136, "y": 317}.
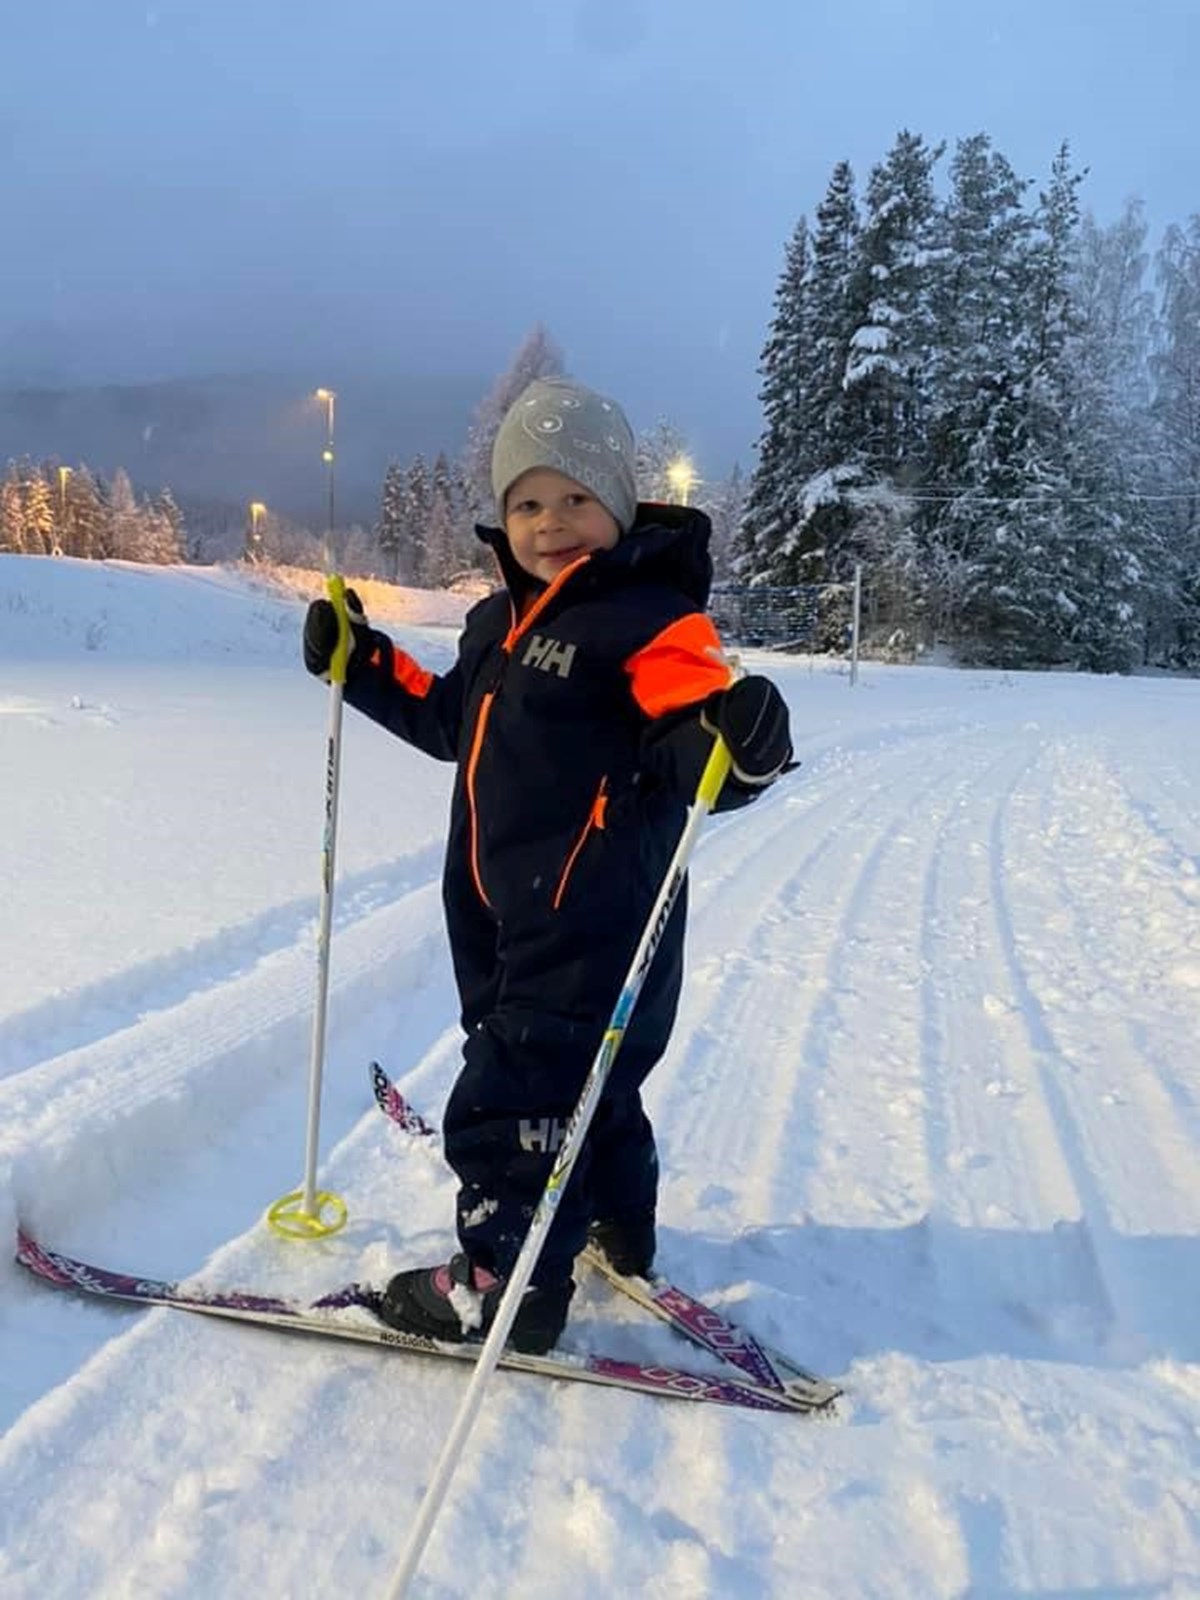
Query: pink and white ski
{"x": 349, "y": 1313}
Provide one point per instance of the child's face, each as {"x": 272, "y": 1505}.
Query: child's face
{"x": 551, "y": 521}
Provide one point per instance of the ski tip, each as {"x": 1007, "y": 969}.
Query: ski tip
{"x": 36, "y": 1259}
{"x": 395, "y": 1107}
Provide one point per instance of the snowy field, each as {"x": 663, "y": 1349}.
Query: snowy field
{"x": 930, "y": 1121}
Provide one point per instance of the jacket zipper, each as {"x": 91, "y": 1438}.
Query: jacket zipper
{"x": 481, "y": 721}
{"x": 540, "y": 604}
{"x": 596, "y": 819}
{"x": 485, "y": 711}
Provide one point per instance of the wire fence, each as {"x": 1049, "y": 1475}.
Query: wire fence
{"x": 821, "y": 618}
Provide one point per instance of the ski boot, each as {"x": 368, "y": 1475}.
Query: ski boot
{"x": 458, "y": 1301}
{"x": 628, "y": 1247}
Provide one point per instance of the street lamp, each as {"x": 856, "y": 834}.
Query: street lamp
{"x": 681, "y": 475}
{"x": 257, "y": 512}
{"x": 327, "y": 398}
{"x": 63, "y": 474}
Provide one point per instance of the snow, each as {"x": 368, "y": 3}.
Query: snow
{"x": 930, "y": 1120}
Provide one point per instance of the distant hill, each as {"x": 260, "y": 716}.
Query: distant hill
{"x": 240, "y": 437}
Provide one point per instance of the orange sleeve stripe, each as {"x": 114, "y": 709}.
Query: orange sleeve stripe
{"x": 412, "y": 678}
{"x": 681, "y": 666}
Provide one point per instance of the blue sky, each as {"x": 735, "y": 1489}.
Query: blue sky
{"x": 200, "y": 185}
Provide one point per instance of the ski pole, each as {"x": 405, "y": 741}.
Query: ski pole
{"x": 715, "y": 772}
{"x": 310, "y": 1213}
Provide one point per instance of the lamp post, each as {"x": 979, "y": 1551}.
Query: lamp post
{"x": 681, "y": 475}
{"x": 257, "y": 512}
{"x": 63, "y": 474}
{"x": 327, "y": 398}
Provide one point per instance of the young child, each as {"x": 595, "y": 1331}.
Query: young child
{"x": 580, "y": 712}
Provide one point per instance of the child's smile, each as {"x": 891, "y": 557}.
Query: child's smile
{"x": 551, "y": 520}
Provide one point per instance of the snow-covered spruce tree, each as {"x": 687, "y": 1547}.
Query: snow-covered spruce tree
{"x": 125, "y": 521}
{"x": 1111, "y": 457}
{"x": 1022, "y": 603}
{"x": 885, "y": 401}
{"x": 103, "y": 541}
{"x": 886, "y": 381}
{"x": 389, "y": 530}
{"x": 12, "y": 512}
{"x": 87, "y": 515}
{"x": 819, "y": 473}
{"x": 892, "y": 291}
{"x": 975, "y": 374}
{"x": 41, "y": 524}
{"x": 1176, "y": 412}
{"x": 166, "y": 541}
{"x": 414, "y": 558}
{"x": 538, "y": 357}
{"x": 473, "y": 556}
{"x": 823, "y": 430}
{"x": 770, "y": 513}
{"x": 821, "y": 547}
{"x": 445, "y": 555}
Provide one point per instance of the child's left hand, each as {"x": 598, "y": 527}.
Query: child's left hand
{"x": 321, "y": 636}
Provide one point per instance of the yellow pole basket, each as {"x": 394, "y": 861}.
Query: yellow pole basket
{"x": 290, "y": 1218}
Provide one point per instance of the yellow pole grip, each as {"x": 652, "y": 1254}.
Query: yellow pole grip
{"x": 335, "y": 585}
{"x": 716, "y": 770}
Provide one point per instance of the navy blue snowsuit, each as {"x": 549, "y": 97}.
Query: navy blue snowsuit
{"x": 572, "y": 712}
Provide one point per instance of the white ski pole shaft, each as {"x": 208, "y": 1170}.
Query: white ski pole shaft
{"x": 714, "y": 775}
{"x": 308, "y": 1213}
{"x": 328, "y": 853}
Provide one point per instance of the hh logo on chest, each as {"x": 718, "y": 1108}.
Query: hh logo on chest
{"x": 549, "y": 655}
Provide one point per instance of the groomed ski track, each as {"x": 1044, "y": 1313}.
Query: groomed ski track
{"x": 930, "y": 1121}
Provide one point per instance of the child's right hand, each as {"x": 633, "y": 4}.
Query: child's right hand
{"x": 752, "y": 718}
{"x": 321, "y": 635}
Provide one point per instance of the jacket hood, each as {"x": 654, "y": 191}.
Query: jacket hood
{"x": 666, "y": 545}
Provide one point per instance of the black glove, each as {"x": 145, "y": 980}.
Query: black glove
{"x": 321, "y": 636}
{"x": 752, "y": 718}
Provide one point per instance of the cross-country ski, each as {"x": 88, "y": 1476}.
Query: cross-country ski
{"x": 351, "y": 1313}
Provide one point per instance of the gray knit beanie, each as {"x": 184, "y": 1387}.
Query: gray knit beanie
{"x": 560, "y": 424}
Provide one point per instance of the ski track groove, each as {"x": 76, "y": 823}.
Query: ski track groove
{"x": 1003, "y": 1178}
{"x": 51, "y": 1029}
{"x": 1044, "y": 1053}
{"x": 1044, "y": 977}
{"x": 129, "y": 1109}
{"x": 1167, "y": 805}
{"x": 1130, "y": 979}
{"x": 770, "y": 1117}
{"x": 1161, "y": 898}
{"x": 953, "y": 940}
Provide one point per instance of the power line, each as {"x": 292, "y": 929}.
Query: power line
{"x": 949, "y": 493}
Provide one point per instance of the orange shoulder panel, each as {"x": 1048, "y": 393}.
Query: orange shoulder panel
{"x": 681, "y": 666}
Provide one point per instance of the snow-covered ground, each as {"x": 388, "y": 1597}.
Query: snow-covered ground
{"x": 930, "y": 1120}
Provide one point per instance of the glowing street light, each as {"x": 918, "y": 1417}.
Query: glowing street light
{"x": 63, "y": 474}
{"x": 327, "y": 398}
{"x": 257, "y": 512}
{"x": 681, "y": 475}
